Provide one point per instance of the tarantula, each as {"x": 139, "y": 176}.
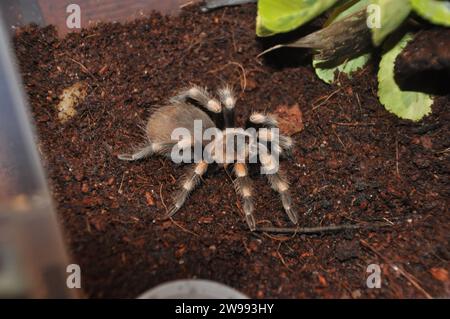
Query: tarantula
{"x": 196, "y": 104}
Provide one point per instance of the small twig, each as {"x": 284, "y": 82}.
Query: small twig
{"x": 339, "y": 73}
{"x": 183, "y": 228}
{"x": 326, "y": 99}
{"x": 187, "y": 4}
{"x": 339, "y": 139}
{"x": 91, "y": 36}
{"x": 279, "y": 238}
{"x": 447, "y": 150}
{"x": 320, "y": 229}
{"x": 83, "y": 68}
{"x": 171, "y": 219}
{"x": 234, "y": 41}
{"x": 359, "y": 102}
{"x": 162, "y": 199}
{"x": 282, "y": 259}
{"x": 396, "y": 157}
{"x": 398, "y": 269}
{"x": 121, "y": 184}
{"x": 244, "y": 76}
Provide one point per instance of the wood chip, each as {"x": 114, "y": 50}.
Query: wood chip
{"x": 290, "y": 119}
{"x": 149, "y": 198}
{"x": 440, "y": 274}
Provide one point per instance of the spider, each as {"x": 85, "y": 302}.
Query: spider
{"x": 196, "y": 104}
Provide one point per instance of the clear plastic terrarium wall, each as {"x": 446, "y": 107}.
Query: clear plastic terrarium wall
{"x": 33, "y": 259}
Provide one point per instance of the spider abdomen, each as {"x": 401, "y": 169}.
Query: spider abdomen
{"x": 168, "y": 118}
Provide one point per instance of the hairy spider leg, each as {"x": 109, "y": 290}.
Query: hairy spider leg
{"x": 228, "y": 99}
{"x": 189, "y": 182}
{"x": 201, "y": 96}
{"x": 148, "y": 150}
{"x": 265, "y": 122}
{"x": 278, "y": 181}
{"x": 243, "y": 187}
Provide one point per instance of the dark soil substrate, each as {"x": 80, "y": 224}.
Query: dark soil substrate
{"x": 354, "y": 162}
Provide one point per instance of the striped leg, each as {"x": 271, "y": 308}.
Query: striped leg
{"x": 200, "y": 95}
{"x": 190, "y": 181}
{"x": 243, "y": 187}
{"x": 142, "y": 153}
{"x": 146, "y": 151}
{"x": 227, "y": 98}
{"x": 279, "y": 143}
{"x": 152, "y": 149}
{"x": 266, "y": 122}
{"x": 278, "y": 182}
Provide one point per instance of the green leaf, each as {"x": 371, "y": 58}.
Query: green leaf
{"x": 388, "y": 17}
{"x": 277, "y": 16}
{"x": 405, "y": 104}
{"x": 434, "y": 11}
{"x": 261, "y": 31}
{"x": 328, "y": 74}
